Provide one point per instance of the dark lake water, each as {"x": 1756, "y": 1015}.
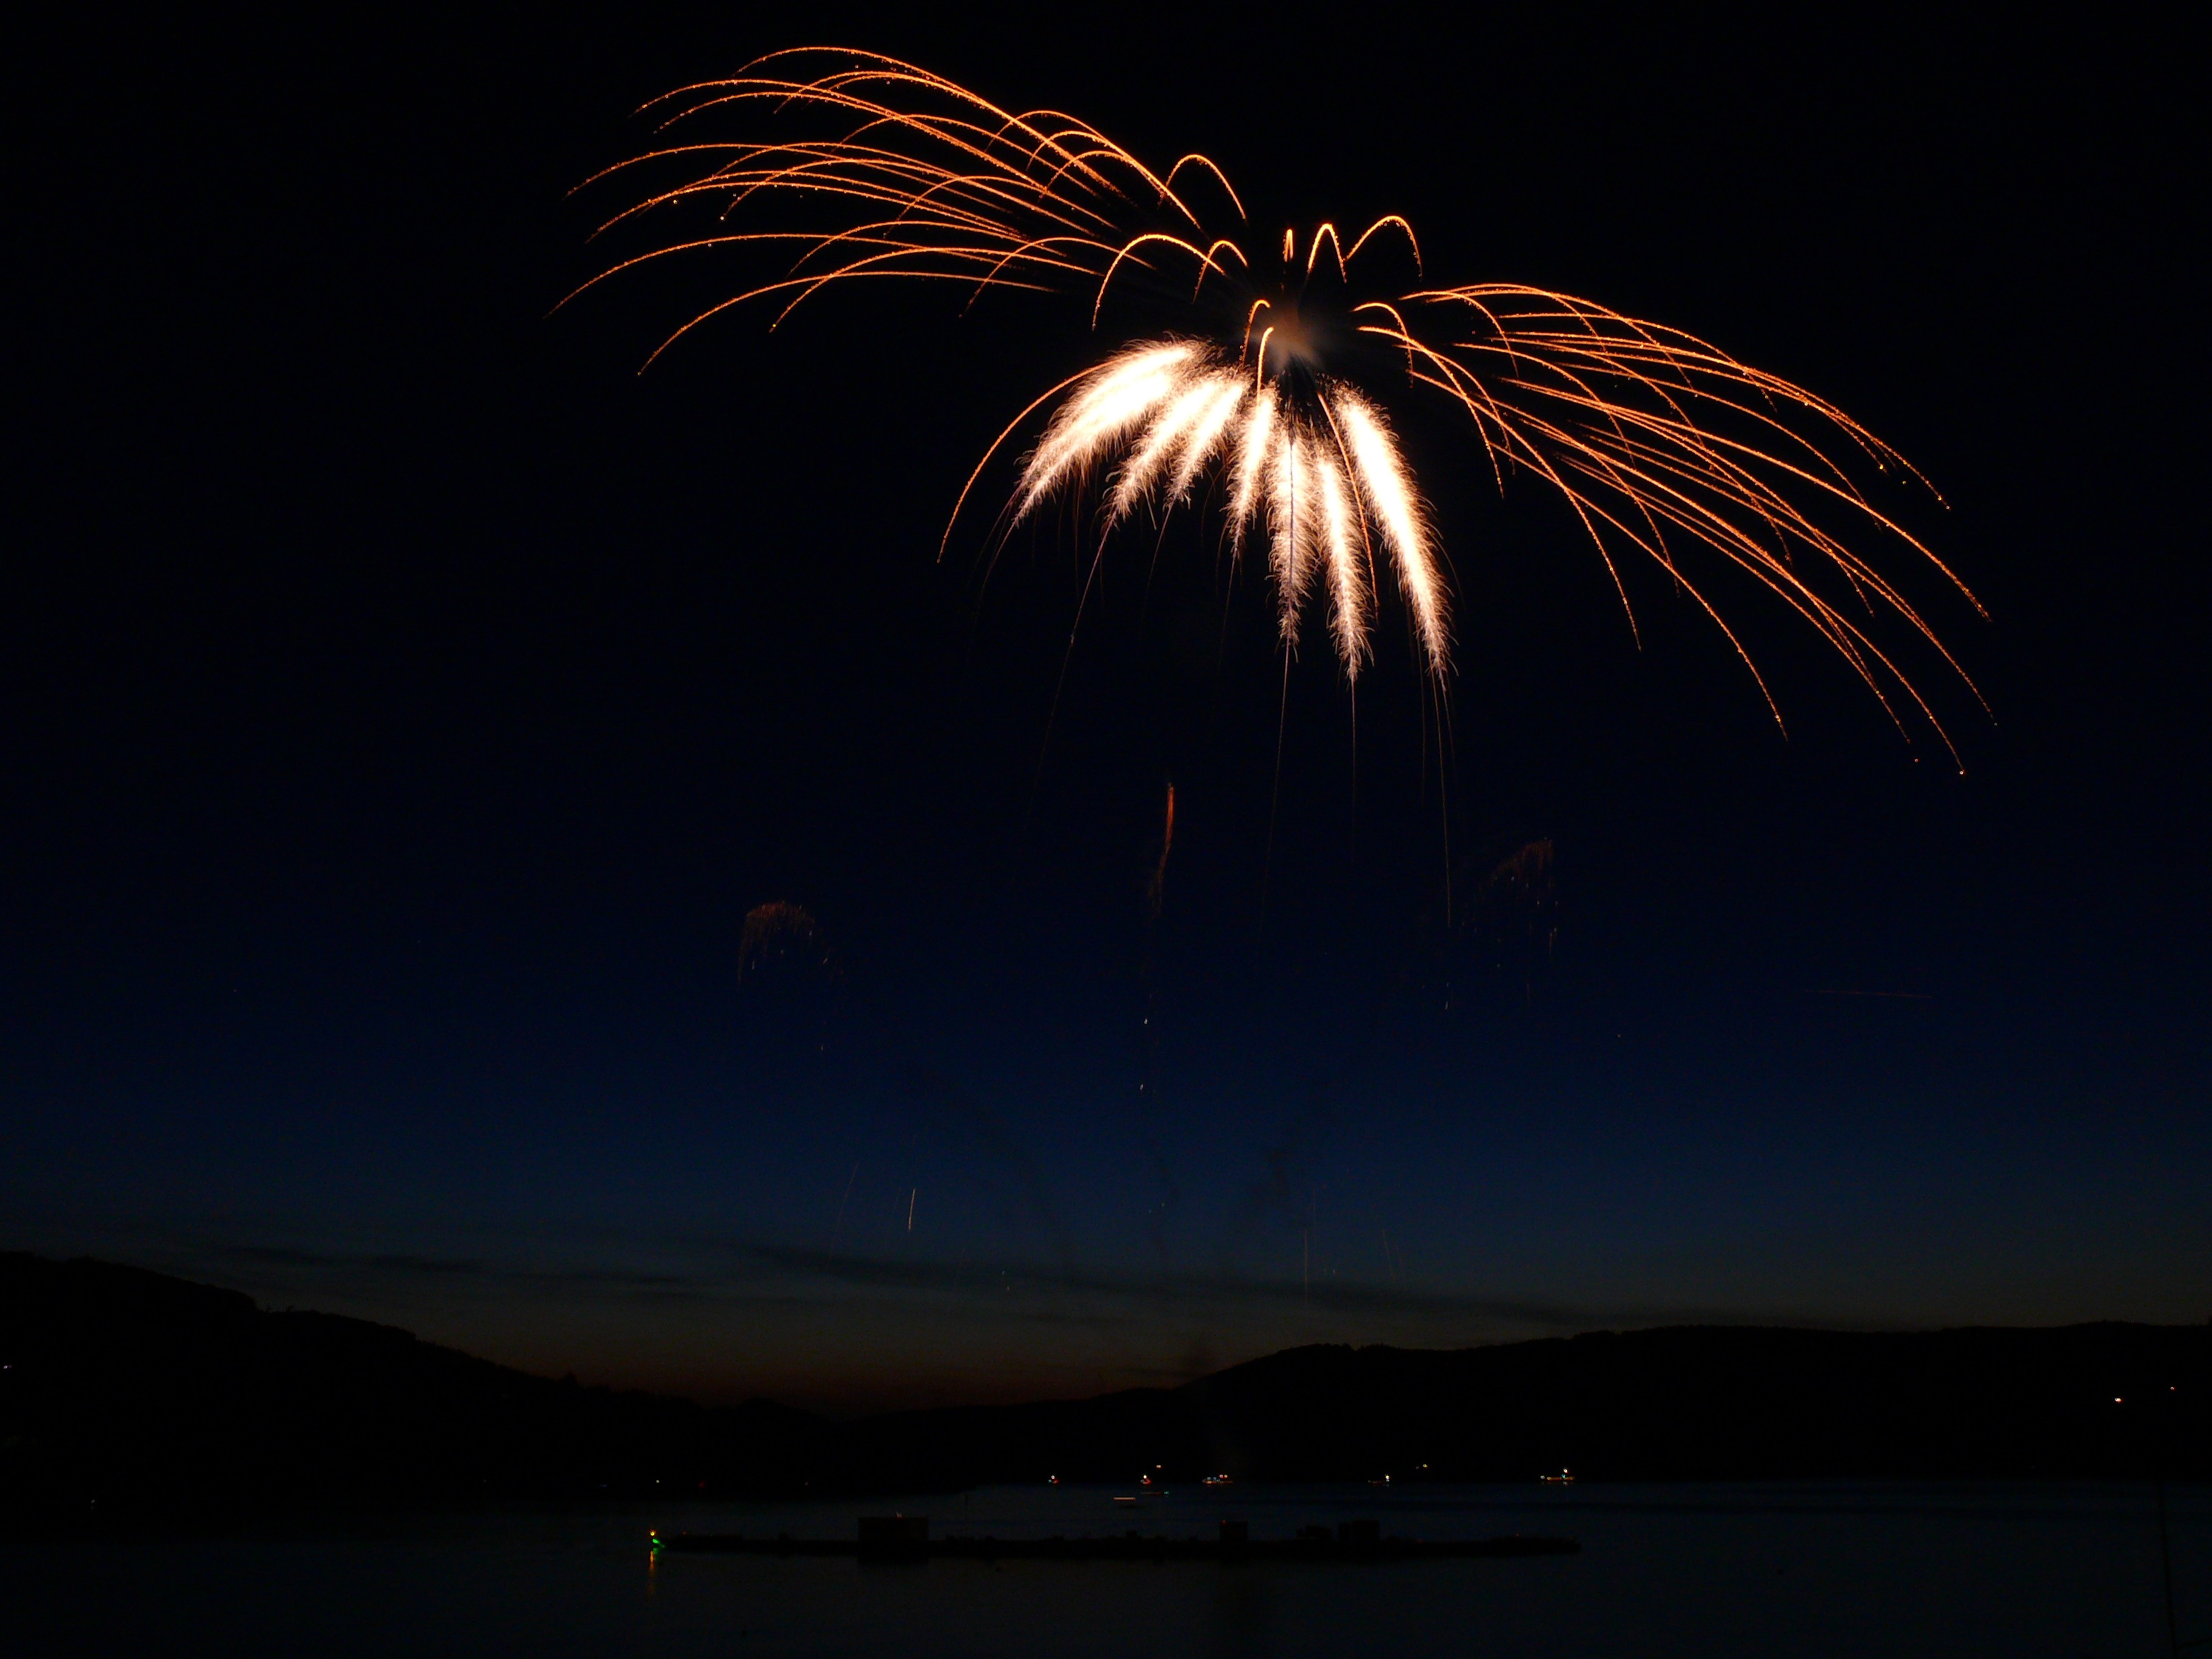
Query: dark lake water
{"x": 1712, "y": 1570}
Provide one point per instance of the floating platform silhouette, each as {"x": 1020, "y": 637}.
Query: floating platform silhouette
{"x": 906, "y": 1538}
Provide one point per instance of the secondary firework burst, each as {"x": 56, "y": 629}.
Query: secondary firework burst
{"x": 1262, "y": 399}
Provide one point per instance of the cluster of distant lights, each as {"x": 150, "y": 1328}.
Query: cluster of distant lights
{"x": 1565, "y": 1477}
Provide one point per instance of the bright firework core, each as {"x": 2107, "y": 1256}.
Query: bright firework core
{"x": 1295, "y": 335}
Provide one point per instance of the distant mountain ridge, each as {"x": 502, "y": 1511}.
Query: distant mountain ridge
{"x": 131, "y": 1387}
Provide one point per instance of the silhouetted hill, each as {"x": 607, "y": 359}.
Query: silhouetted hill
{"x": 1685, "y": 1402}
{"x": 134, "y": 1387}
{"x": 130, "y": 1383}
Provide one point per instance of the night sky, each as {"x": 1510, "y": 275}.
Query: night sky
{"x": 405, "y": 703}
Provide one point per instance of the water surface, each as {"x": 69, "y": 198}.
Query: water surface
{"x": 1712, "y": 1570}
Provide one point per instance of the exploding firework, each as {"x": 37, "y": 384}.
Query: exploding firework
{"x": 847, "y": 166}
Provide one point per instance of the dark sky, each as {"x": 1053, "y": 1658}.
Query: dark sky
{"x": 405, "y": 703}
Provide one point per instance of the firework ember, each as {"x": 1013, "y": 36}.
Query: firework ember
{"x": 850, "y": 166}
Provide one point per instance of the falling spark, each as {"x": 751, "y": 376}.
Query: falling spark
{"x": 1157, "y": 888}
{"x": 845, "y": 166}
{"x": 843, "y": 1202}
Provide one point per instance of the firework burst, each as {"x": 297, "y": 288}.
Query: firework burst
{"x": 846, "y": 166}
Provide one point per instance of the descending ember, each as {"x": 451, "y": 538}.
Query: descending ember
{"x": 1661, "y": 444}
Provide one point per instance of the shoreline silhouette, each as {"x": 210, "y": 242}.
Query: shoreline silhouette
{"x": 129, "y": 1388}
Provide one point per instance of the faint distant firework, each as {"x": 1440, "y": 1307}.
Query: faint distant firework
{"x": 782, "y": 938}
{"x": 842, "y": 166}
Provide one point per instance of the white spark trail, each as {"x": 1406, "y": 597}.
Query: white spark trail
{"x": 1125, "y": 389}
{"x": 1165, "y": 439}
{"x": 1253, "y": 444}
{"x": 1290, "y": 512}
{"x": 1169, "y": 410}
{"x": 1206, "y": 436}
{"x": 1395, "y": 506}
{"x": 1347, "y": 579}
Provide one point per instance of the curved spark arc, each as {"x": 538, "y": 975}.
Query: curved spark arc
{"x": 1659, "y": 442}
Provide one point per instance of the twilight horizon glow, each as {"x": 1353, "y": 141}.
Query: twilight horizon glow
{"x": 1663, "y": 446}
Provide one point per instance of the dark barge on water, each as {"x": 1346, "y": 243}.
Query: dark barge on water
{"x": 906, "y": 1538}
